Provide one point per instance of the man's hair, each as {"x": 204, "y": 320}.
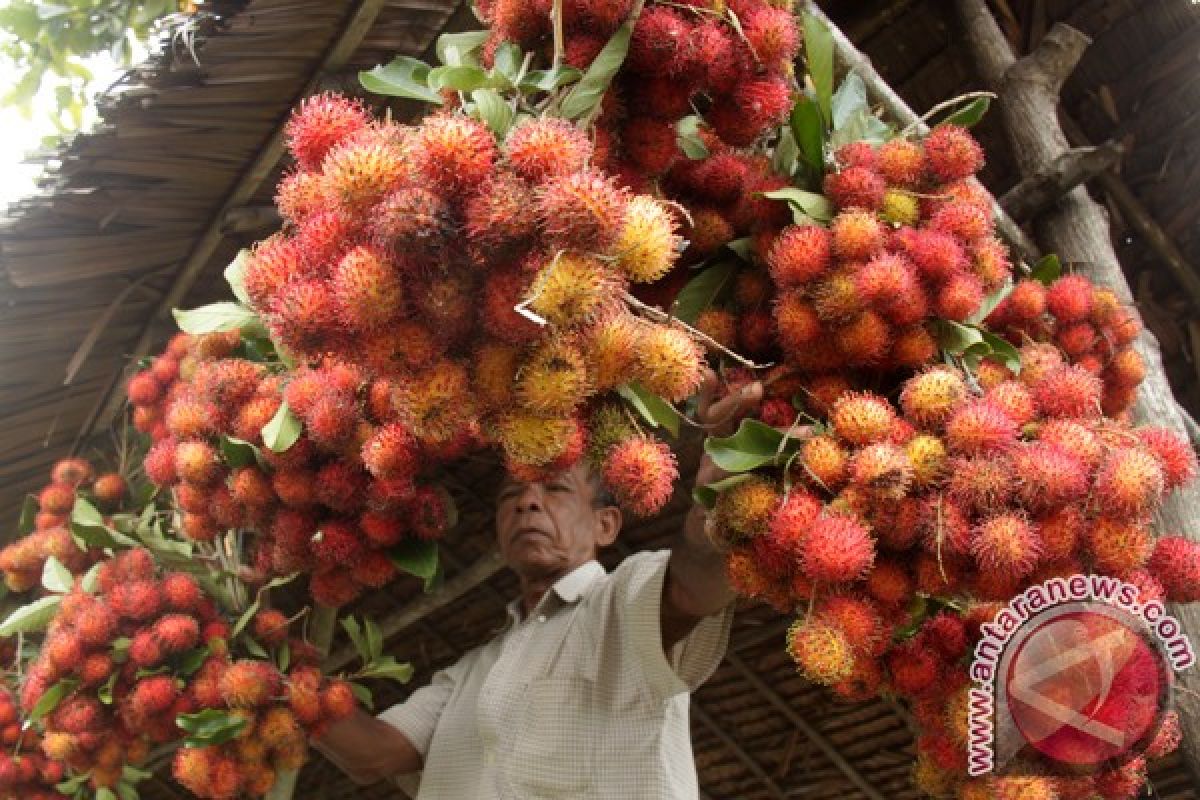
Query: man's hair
{"x": 601, "y": 496}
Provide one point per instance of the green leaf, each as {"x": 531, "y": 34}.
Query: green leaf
{"x": 33, "y": 617}
{"x": 497, "y": 114}
{"x": 254, "y": 648}
{"x": 849, "y": 101}
{"x": 56, "y": 577}
{"x": 755, "y": 444}
{"x": 809, "y": 131}
{"x": 461, "y": 79}
{"x": 101, "y": 536}
{"x": 216, "y": 318}
{"x": 587, "y": 94}
{"x": 863, "y": 126}
{"x": 363, "y": 695}
{"x": 416, "y": 558}
{"x": 990, "y": 302}
{"x": 388, "y": 668}
{"x": 283, "y": 659}
{"x": 461, "y": 48}
{"x": 104, "y": 793}
{"x": 969, "y": 115}
{"x": 651, "y": 407}
{"x": 1003, "y": 351}
{"x": 235, "y": 276}
{"x": 1047, "y": 270}
{"x": 374, "y": 638}
{"x": 283, "y": 430}
{"x": 688, "y": 136}
{"x": 190, "y": 662}
{"x": 51, "y": 698}
{"x": 72, "y": 785}
{"x": 120, "y": 649}
{"x": 84, "y": 513}
{"x": 702, "y": 290}
{"x": 707, "y": 495}
{"x": 126, "y": 791}
{"x": 957, "y": 338}
{"x": 547, "y": 80}
{"x": 743, "y": 248}
{"x": 91, "y": 579}
{"x": 252, "y": 609}
{"x": 354, "y": 630}
{"x": 806, "y": 206}
{"x": 238, "y": 452}
{"x": 404, "y": 76}
{"x": 210, "y": 727}
{"x": 818, "y": 55}
{"x": 29, "y": 512}
{"x": 105, "y": 693}
{"x": 786, "y": 158}
{"x": 508, "y": 60}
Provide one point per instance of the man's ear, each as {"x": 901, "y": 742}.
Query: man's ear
{"x": 608, "y": 521}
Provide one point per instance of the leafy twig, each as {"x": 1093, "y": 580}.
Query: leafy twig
{"x": 709, "y": 342}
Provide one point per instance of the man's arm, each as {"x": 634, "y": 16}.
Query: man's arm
{"x": 368, "y": 750}
{"x": 696, "y": 586}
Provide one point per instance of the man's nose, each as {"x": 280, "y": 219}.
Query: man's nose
{"x": 529, "y": 498}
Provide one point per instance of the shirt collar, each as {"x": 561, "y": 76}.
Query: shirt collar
{"x": 570, "y": 588}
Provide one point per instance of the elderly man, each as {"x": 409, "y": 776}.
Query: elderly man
{"x": 584, "y": 694}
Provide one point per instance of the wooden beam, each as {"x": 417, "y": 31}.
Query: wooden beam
{"x": 898, "y": 109}
{"x": 250, "y": 219}
{"x": 748, "y": 761}
{"x": 815, "y": 736}
{"x": 1078, "y": 228}
{"x": 1035, "y": 194}
{"x": 358, "y": 22}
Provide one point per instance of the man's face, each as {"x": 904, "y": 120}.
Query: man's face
{"x": 548, "y": 528}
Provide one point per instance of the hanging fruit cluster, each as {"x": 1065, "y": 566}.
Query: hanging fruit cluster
{"x": 25, "y": 773}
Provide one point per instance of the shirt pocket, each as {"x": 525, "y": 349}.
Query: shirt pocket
{"x": 555, "y": 737}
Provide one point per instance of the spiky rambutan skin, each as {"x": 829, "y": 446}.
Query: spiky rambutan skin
{"x": 1006, "y": 544}
{"x": 990, "y": 263}
{"x": 647, "y": 246}
{"x": 929, "y": 398}
{"x": 1167, "y": 738}
{"x": 582, "y": 211}
{"x": 959, "y": 297}
{"x": 900, "y": 207}
{"x": 772, "y": 35}
{"x": 533, "y": 440}
{"x": 197, "y": 463}
{"x": 855, "y": 187}
{"x": 1069, "y": 391}
{"x": 927, "y": 455}
{"x": 824, "y": 462}
{"x": 341, "y": 486}
{"x": 745, "y": 509}
{"x": 436, "y": 404}
{"x": 453, "y": 152}
{"x": 250, "y": 684}
{"x": 56, "y": 499}
{"x": 411, "y": 221}
{"x": 199, "y": 527}
{"x": 913, "y": 347}
{"x": 670, "y": 363}
{"x": 360, "y": 171}
{"x": 573, "y": 290}
{"x": 1048, "y": 476}
{"x": 72, "y": 471}
{"x": 391, "y": 452}
{"x": 982, "y": 484}
{"x": 547, "y": 147}
{"x": 321, "y": 122}
{"x": 659, "y": 36}
{"x": 865, "y": 340}
{"x": 1129, "y": 483}
{"x": 504, "y": 289}
{"x": 498, "y": 219}
{"x": 553, "y": 380}
{"x": 980, "y": 427}
{"x": 719, "y": 324}
{"x": 1118, "y": 546}
{"x": 295, "y": 488}
{"x": 304, "y": 315}
{"x": 861, "y": 418}
{"x": 746, "y": 575}
{"x": 837, "y": 549}
{"x": 797, "y": 324}
{"x": 914, "y": 668}
{"x": 367, "y": 289}
{"x": 641, "y": 473}
{"x": 882, "y": 469}
{"x": 177, "y": 632}
{"x": 1070, "y": 298}
{"x": 650, "y": 144}
{"x": 901, "y": 162}
{"x": 1174, "y": 453}
{"x": 1175, "y": 563}
{"x": 821, "y": 651}
{"x": 707, "y": 232}
{"x": 426, "y": 511}
{"x": 857, "y": 235}
{"x": 885, "y": 278}
{"x": 1014, "y": 400}
{"x": 778, "y": 550}
{"x": 951, "y": 153}
{"x": 153, "y": 695}
{"x": 857, "y": 618}
{"x": 755, "y": 105}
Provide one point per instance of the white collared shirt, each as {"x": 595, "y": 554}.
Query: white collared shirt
{"x": 575, "y": 701}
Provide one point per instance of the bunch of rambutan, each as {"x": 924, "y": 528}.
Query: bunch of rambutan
{"x": 1086, "y": 323}
{"x": 23, "y": 560}
{"x": 25, "y": 773}
{"x": 148, "y": 646}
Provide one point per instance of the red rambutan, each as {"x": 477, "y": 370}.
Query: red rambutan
{"x": 321, "y": 122}
{"x": 800, "y": 254}
{"x": 952, "y": 153}
{"x": 641, "y": 474}
{"x": 837, "y": 549}
{"x": 855, "y": 187}
{"x": 979, "y": 427}
{"x": 1068, "y": 391}
{"x": 546, "y": 148}
{"x": 857, "y": 235}
{"x": 583, "y": 211}
{"x": 1070, "y": 298}
{"x": 453, "y": 151}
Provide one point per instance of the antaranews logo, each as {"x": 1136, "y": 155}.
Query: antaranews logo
{"x": 1073, "y": 674}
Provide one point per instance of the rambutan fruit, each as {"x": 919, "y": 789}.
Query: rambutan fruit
{"x": 857, "y": 235}
{"x": 64, "y": 651}
{"x": 1027, "y": 301}
{"x": 952, "y": 153}
{"x": 927, "y": 455}
{"x": 886, "y": 277}
{"x": 800, "y": 254}
{"x": 1069, "y": 391}
{"x": 177, "y": 632}
{"x": 659, "y": 35}
{"x": 990, "y": 263}
{"x": 913, "y": 347}
{"x": 821, "y": 651}
{"x": 1014, "y": 400}
{"x": 321, "y": 122}
{"x": 153, "y": 695}
{"x": 295, "y": 488}
{"x": 1119, "y": 546}
{"x": 427, "y": 512}
{"x": 358, "y": 172}
{"x": 670, "y": 363}
{"x": 914, "y": 668}
{"x": 837, "y": 549}
{"x": 859, "y": 153}
{"x": 1006, "y": 544}
{"x": 144, "y": 389}
{"x": 300, "y": 194}
{"x": 772, "y": 35}
{"x": 145, "y": 650}
{"x": 650, "y": 144}
{"x": 901, "y": 162}
{"x": 533, "y": 440}
{"x": 366, "y": 288}
{"x": 900, "y": 207}
{"x": 1129, "y": 483}
{"x": 437, "y": 404}
{"x": 647, "y": 246}
{"x": 980, "y": 484}
{"x": 1075, "y": 438}
{"x": 572, "y": 290}
{"x": 720, "y": 178}
{"x": 745, "y": 575}
{"x": 797, "y": 324}
{"x": 96, "y": 624}
{"x": 717, "y": 54}
{"x": 1175, "y": 455}
{"x": 504, "y": 289}
{"x": 498, "y": 219}
{"x": 1070, "y": 298}
{"x": 199, "y": 527}
{"x": 581, "y": 211}
{"x": 337, "y": 700}
{"x": 707, "y": 232}
{"x": 72, "y": 471}
{"x": 641, "y": 473}
{"x": 929, "y": 398}
{"x": 547, "y": 147}
{"x": 453, "y": 152}
{"x": 938, "y": 255}
{"x": 718, "y": 324}
{"x": 979, "y": 427}
{"x": 945, "y": 526}
{"x": 837, "y": 298}
{"x": 1048, "y": 476}
{"x": 56, "y": 499}
{"x": 390, "y": 452}
{"x": 341, "y": 486}
{"x": 411, "y": 221}
{"x": 553, "y": 380}
{"x": 745, "y": 509}
{"x": 303, "y": 315}
{"x": 855, "y": 187}
{"x": 865, "y": 339}
{"x": 882, "y": 469}
{"x": 862, "y": 418}
{"x": 857, "y": 618}
{"x": 1061, "y": 530}
{"x": 250, "y": 684}
{"x": 197, "y": 463}
{"x": 251, "y": 488}
{"x": 757, "y": 105}
{"x": 959, "y": 297}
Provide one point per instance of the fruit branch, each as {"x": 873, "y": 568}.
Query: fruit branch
{"x": 1078, "y": 225}
{"x": 661, "y": 316}
{"x": 1038, "y": 192}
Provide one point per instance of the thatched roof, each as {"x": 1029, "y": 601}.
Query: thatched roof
{"x": 145, "y": 213}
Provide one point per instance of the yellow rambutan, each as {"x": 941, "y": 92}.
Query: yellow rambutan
{"x": 857, "y": 235}
{"x": 744, "y": 510}
{"x": 367, "y": 289}
{"x": 900, "y": 207}
{"x": 269, "y": 265}
{"x": 553, "y": 379}
{"x": 572, "y": 289}
{"x": 929, "y": 398}
{"x": 862, "y": 418}
{"x": 493, "y": 375}
{"x": 647, "y": 246}
{"x": 360, "y": 171}
{"x": 797, "y": 324}
{"x": 436, "y": 403}
{"x": 1118, "y": 546}
{"x": 838, "y": 296}
{"x": 882, "y": 469}
{"x": 821, "y": 651}
{"x": 534, "y": 440}
{"x": 927, "y": 455}
{"x": 1007, "y": 544}
{"x": 669, "y": 362}
{"x": 825, "y": 462}
{"x": 612, "y": 343}
{"x": 1129, "y": 483}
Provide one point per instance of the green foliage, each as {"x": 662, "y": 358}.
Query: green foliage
{"x": 50, "y": 44}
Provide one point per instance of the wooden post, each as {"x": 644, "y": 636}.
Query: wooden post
{"x": 1077, "y": 228}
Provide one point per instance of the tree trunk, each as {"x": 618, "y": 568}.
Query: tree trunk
{"x": 1078, "y": 229}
